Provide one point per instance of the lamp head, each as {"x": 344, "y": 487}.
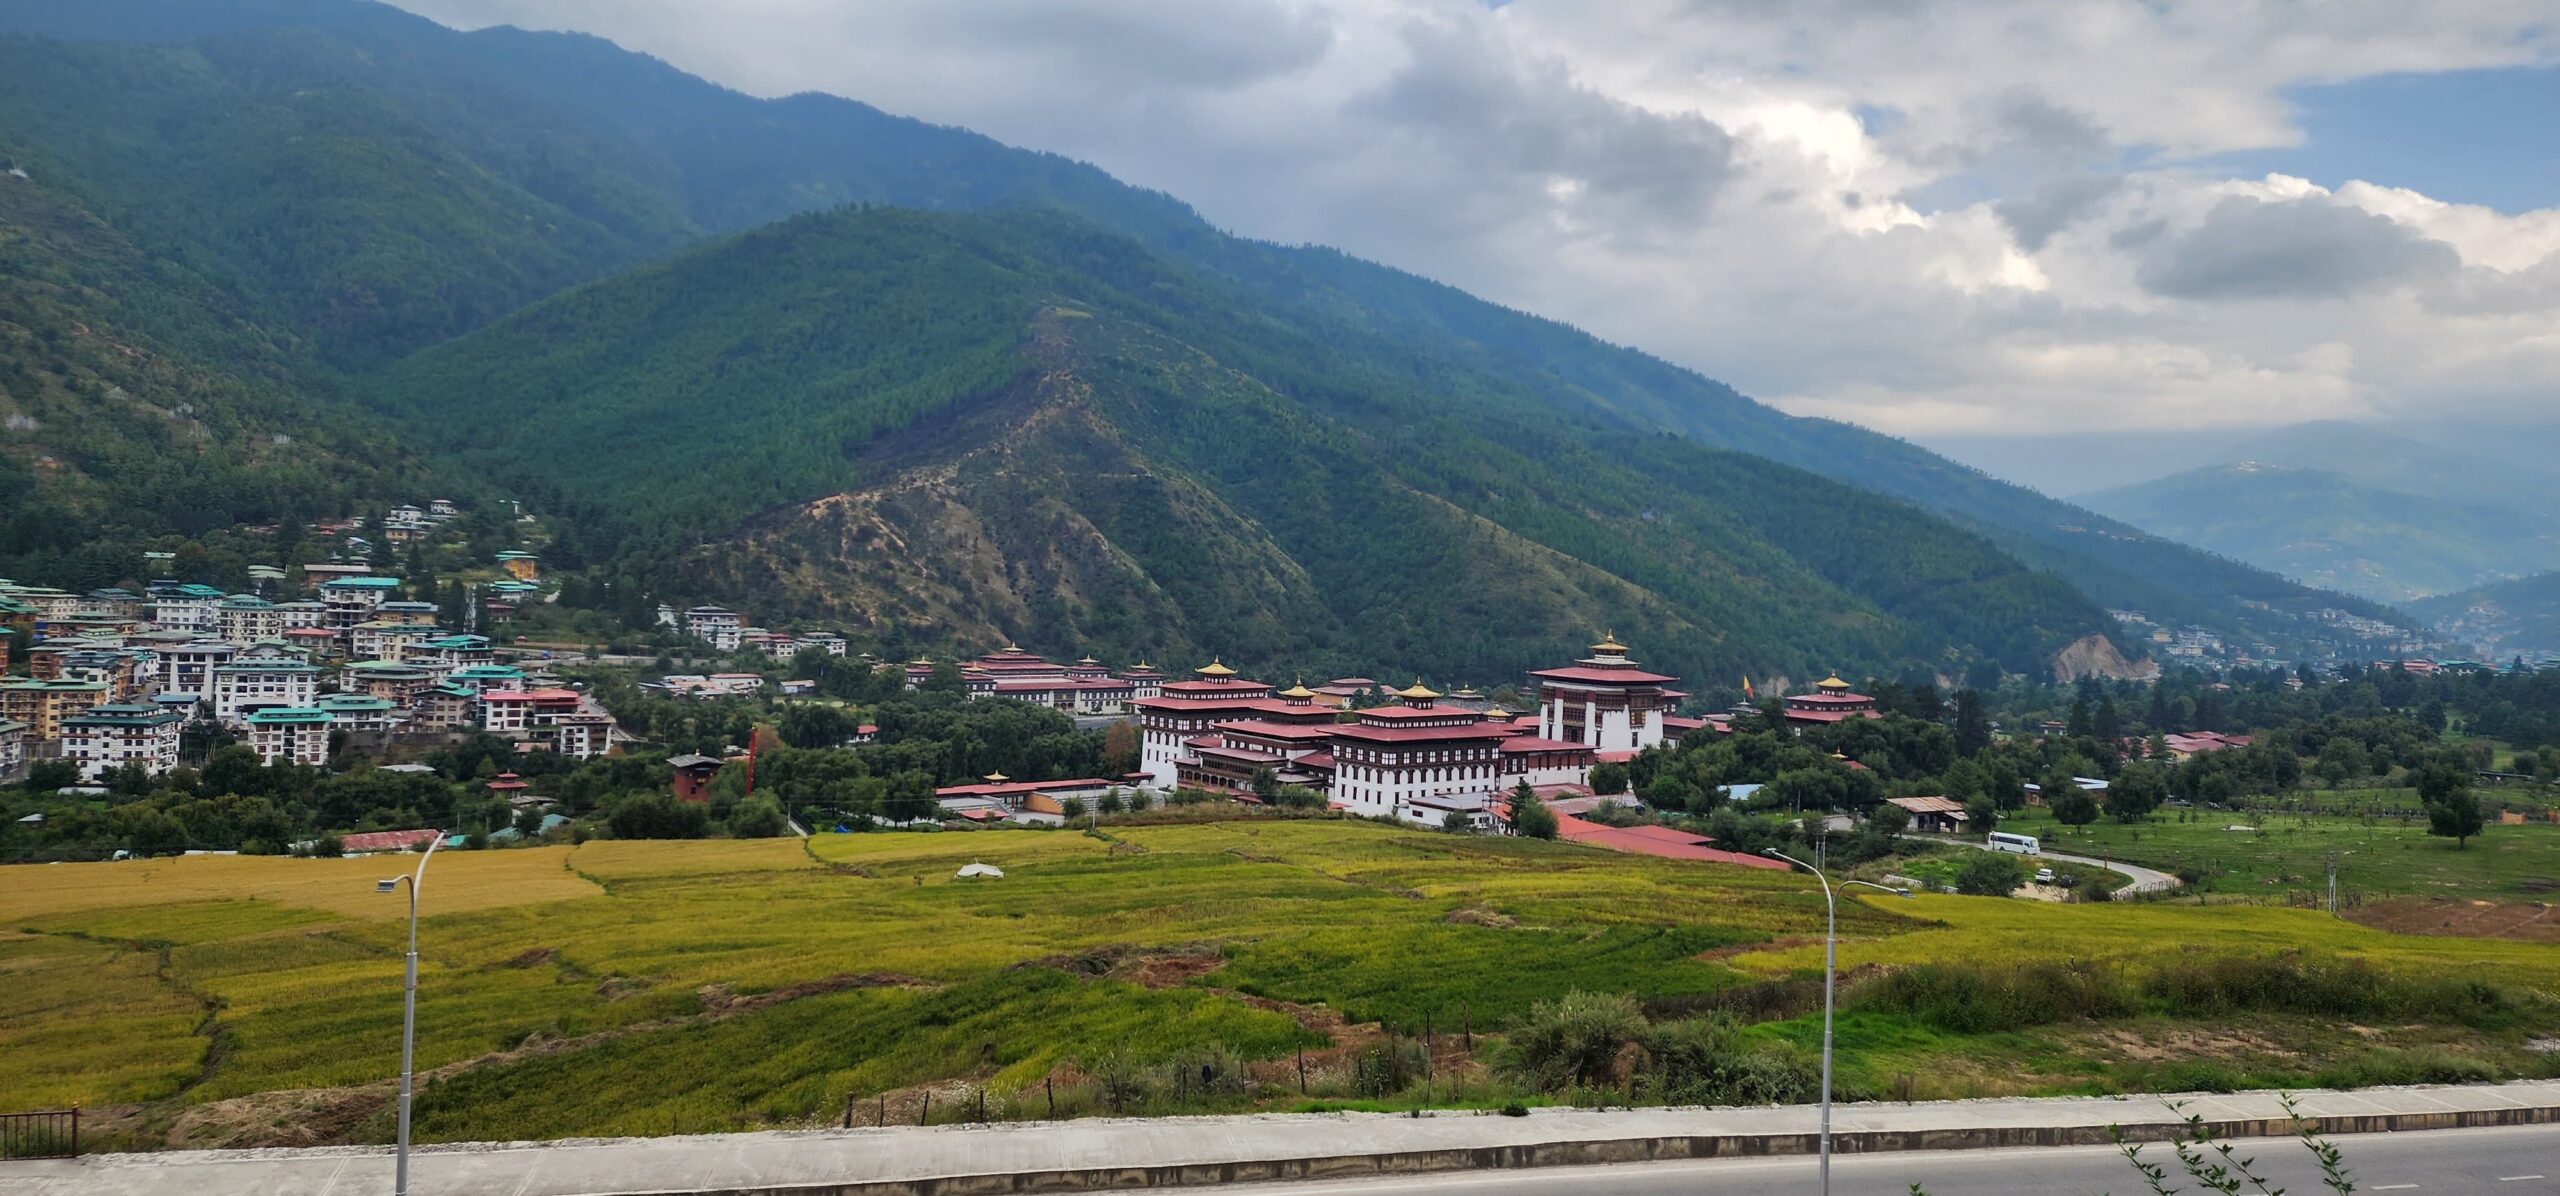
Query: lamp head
{"x": 1770, "y": 852}
{"x": 385, "y": 886}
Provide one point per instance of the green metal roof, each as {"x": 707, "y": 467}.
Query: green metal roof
{"x": 123, "y": 715}
{"x": 287, "y": 716}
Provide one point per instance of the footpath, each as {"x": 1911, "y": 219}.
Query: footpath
{"x": 1074, "y": 1156}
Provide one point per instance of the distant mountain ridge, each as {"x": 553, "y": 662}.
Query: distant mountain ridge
{"x": 2502, "y": 618}
{"x": 512, "y": 165}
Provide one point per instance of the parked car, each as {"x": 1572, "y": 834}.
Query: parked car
{"x": 2044, "y": 876}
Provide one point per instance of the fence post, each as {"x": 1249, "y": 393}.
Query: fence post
{"x": 849, "y": 1098}
{"x": 1049, "y": 1087}
{"x": 883, "y": 1119}
{"x": 1302, "y": 1069}
{"x": 925, "y": 1109}
{"x": 1467, "y": 1025}
{"x": 982, "y": 1104}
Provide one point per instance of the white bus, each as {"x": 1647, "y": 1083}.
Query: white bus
{"x": 2021, "y": 844}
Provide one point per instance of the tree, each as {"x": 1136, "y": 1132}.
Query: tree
{"x": 1072, "y": 808}
{"x": 1981, "y": 816}
{"x": 1455, "y": 822}
{"x": 1989, "y": 874}
{"x": 1890, "y": 819}
{"x": 2133, "y": 796}
{"x": 2074, "y": 807}
{"x": 46, "y": 776}
{"x": 1530, "y": 818}
{"x": 2457, "y": 817}
{"x": 1264, "y": 783}
{"x": 2082, "y": 724}
{"x": 1111, "y": 802}
{"x": 1609, "y": 779}
{"x": 761, "y": 818}
{"x": 1973, "y": 727}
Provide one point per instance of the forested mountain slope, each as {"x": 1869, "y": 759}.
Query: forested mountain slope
{"x": 2336, "y": 530}
{"x": 134, "y": 404}
{"x": 614, "y": 155}
{"x": 954, "y": 419}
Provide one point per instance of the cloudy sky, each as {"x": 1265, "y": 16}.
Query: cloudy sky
{"x": 1939, "y": 220}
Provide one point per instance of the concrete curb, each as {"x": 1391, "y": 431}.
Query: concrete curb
{"x": 1632, "y": 1150}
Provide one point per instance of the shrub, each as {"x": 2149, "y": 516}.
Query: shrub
{"x": 1989, "y": 874}
{"x": 1574, "y": 1039}
{"x": 1705, "y": 1061}
{"x": 1976, "y": 999}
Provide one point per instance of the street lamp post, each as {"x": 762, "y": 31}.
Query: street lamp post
{"x": 408, "y": 1011}
{"x": 1830, "y": 968}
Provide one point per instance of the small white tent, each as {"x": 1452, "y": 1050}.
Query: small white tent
{"x": 978, "y": 870}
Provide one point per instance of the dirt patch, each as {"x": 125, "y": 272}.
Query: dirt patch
{"x": 533, "y": 958}
{"x": 1149, "y": 967}
{"x": 293, "y": 1117}
{"x": 1480, "y": 916}
{"x": 2167, "y": 1045}
{"x": 718, "y": 1001}
{"x": 2521, "y": 921}
{"x": 1785, "y": 944}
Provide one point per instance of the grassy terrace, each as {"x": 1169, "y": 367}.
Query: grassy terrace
{"x": 646, "y": 987}
{"x": 2286, "y": 852}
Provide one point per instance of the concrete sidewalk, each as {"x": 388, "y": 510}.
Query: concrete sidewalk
{"x": 1096, "y": 1154}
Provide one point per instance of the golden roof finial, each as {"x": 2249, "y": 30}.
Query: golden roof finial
{"x": 1216, "y": 668}
{"x": 1419, "y": 692}
{"x": 1609, "y": 643}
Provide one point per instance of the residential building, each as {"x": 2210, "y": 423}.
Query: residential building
{"x": 445, "y": 653}
{"x": 715, "y": 625}
{"x": 289, "y": 734}
{"x": 447, "y": 708}
{"x": 363, "y": 713}
{"x": 392, "y": 681}
{"x": 110, "y": 736}
{"x": 304, "y": 613}
{"x": 378, "y": 639}
{"x": 247, "y": 618}
{"x": 515, "y": 711}
{"x": 13, "y": 750}
{"x": 522, "y": 566}
{"x": 42, "y": 705}
{"x": 186, "y": 606}
{"x": 188, "y": 669}
{"x": 249, "y": 684}
{"x": 412, "y": 614}
{"x": 481, "y": 678}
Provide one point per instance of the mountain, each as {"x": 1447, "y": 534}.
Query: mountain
{"x": 138, "y": 407}
{"x": 2379, "y": 459}
{"x": 2336, "y": 531}
{"x": 1018, "y": 425}
{"x": 371, "y": 185}
{"x": 2502, "y": 618}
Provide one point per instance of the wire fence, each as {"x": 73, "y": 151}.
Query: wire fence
{"x": 46, "y": 1134}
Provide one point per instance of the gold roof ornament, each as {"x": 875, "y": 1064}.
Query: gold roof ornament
{"x": 1419, "y": 692}
{"x": 1215, "y": 668}
{"x": 1298, "y": 692}
{"x": 1609, "y": 643}
{"x": 995, "y": 778}
{"x": 1832, "y": 684}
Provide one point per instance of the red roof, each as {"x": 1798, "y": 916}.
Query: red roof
{"x": 1587, "y": 674}
{"x": 1313, "y": 760}
{"x": 1255, "y": 726}
{"x": 387, "y": 840}
{"x": 1468, "y": 732}
{"x": 1520, "y": 744}
{"x": 1851, "y": 700}
{"x": 1827, "y": 716}
{"x": 1653, "y": 841}
{"x": 1004, "y": 687}
{"x": 1013, "y": 788}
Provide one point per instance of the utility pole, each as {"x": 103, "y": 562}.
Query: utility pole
{"x": 2333, "y": 884}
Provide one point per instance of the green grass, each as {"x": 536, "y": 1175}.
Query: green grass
{"x": 2287, "y": 852}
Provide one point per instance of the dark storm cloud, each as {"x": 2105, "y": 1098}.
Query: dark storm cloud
{"x": 2307, "y": 248}
{"x": 2036, "y": 216}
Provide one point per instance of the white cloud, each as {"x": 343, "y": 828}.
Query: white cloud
{"x": 1925, "y": 217}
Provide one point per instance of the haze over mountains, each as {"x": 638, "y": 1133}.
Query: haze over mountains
{"x": 2358, "y": 509}
{"x": 277, "y": 259}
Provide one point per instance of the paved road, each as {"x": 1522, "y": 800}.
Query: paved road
{"x": 2145, "y": 880}
{"x": 2502, "y": 1162}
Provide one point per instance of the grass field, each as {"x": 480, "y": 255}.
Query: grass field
{"x": 655, "y": 987}
{"x": 2288, "y": 852}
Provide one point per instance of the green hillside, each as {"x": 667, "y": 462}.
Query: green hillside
{"x": 140, "y": 410}
{"x": 614, "y": 154}
{"x": 2337, "y": 531}
{"x": 2502, "y": 618}
{"x": 1018, "y": 425}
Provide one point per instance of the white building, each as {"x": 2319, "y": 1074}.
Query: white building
{"x": 193, "y": 609}
{"x": 716, "y": 625}
{"x": 105, "y": 738}
{"x": 1396, "y": 756}
{"x": 1604, "y": 701}
{"x": 247, "y": 618}
{"x": 246, "y": 685}
{"x": 290, "y": 735}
